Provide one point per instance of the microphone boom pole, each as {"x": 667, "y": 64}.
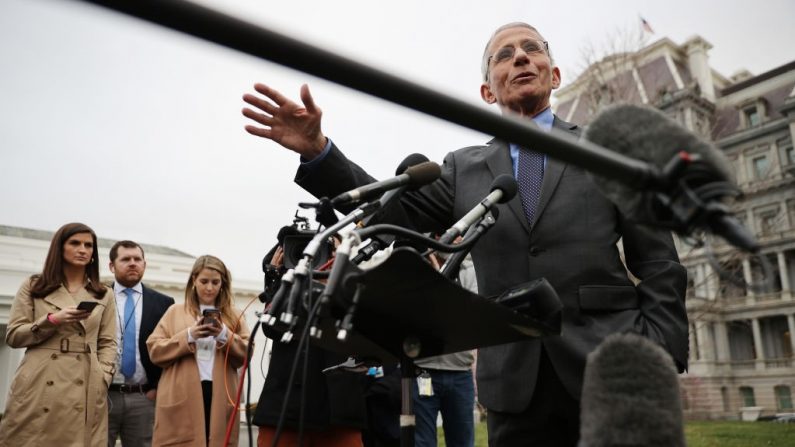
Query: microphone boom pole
{"x": 254, "y": 40}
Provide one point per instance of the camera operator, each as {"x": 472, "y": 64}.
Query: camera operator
{"x": 334, "y": 413}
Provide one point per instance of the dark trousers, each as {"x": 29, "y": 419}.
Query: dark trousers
{"x": 207, "y": 394}
{"x": 454, "y": 397}
{"x": 552, "y": 418}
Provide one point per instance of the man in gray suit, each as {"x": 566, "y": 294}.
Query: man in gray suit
{"x": 559, "y": 227}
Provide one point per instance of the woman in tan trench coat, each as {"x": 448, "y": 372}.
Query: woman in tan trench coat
{"x": 196, "y": 391}
{"x": 59, "y": 393}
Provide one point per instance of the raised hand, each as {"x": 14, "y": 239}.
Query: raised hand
{"x": 285, "y": 122}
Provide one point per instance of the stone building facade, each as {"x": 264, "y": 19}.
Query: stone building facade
{"x": 742, "y": 314}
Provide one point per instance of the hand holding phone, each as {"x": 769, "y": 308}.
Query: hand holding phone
{"x": 211, "y": 316}
{"x": 87, "y": 306}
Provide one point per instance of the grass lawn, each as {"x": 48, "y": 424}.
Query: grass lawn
{"x": 709, "y": 434}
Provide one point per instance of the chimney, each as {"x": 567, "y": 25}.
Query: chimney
{"x": 698, "y": 62}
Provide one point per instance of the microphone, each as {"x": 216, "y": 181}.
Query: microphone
{"x": 451, "y": 266}
{"x": 413, "y": 177}
{"x": 377, "y": 243}
{"x": 503, "y": 188}
{"x": 408, "y": 162}
{"x": 630, "y": 395}
{"x": 695, "y": 177}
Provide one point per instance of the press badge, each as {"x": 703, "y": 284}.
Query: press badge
{"x": 204, "y": 350}
{"x": 424, "y": 384}
{"x": 118, "y": 377}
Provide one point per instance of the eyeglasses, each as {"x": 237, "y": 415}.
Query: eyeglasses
{"x": 505, "y": 54}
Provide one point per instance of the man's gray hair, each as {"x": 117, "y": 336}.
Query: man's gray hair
{"x": 484, "y": 66}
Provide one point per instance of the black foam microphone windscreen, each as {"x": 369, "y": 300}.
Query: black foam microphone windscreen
{"x": 630, "y": 396}
{"x": 646, "y": 134}
{"x": 507, "y": 184}
{"x": 422, "y": 174}
{"x": 409, "y": 161}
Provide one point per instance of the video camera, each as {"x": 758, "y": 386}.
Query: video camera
{"x": 293, "y": 239}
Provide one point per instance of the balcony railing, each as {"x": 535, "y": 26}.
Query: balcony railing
{"x": 743, "y": 364}
{"x": 783, "y": 362}
{"x": 770, "y": 296}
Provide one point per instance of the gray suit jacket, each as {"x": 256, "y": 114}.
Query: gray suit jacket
{"x": 572, "y": 243}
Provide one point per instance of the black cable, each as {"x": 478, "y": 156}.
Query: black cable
{"x": 302, "y": 400}
{"x": 249, "y": 354}
{"x": 395, "y": 230}
{"x": 293, "y": 369}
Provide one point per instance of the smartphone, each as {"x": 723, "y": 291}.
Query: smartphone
{"x": 211, "y": 316}
{"x": 87, "y": 305}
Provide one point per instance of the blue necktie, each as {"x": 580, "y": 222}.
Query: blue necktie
{"x": 530, "y": 176}
{"x": 128, "y": 344}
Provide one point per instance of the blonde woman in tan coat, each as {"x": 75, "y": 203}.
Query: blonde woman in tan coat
{"x": 59, "y": 392}
{"x": 199, "y": 382}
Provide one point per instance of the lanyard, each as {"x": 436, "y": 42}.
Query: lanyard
{"x": 123, "y": 326}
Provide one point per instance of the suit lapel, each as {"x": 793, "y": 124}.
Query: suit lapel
{"x": 146, "y": 308}
{"x": 552, "y": 173}
{"x": 499, "y": 162}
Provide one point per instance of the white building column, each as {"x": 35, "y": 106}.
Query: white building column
{"x": 786, "y": 290}
{"x": 749, "y": 294}
{"x": 721, "y": 342}
{"x": 705, "y": 342}
{"x": 791, "y": 324}
{"x": 692, "y": 342}
{"x": 711, "y": 281}
{"x": 742, "y": 170}
{"x": 700, "y": 282}
{"x": 760, "y": 352}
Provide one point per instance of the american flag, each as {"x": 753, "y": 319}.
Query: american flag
{"x": 646, "y": 26}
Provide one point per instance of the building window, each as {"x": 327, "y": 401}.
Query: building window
{"x": 769, "y": 220}
{"x": 775, "y": 339}
{"x": 752, "y": 117}
{"x": 783, "y": 397}
{"x": 691, "y": 281}
{"x": 760, "y": 166}
{"x": 741, "y": 342}
{"x": 732, "y": 282}
{"x": 791, "y": 211}
{"x": 747, "y": 396}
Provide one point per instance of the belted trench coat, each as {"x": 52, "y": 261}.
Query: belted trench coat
{"x": 59, "y": 392}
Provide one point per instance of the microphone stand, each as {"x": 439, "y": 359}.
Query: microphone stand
{"x": 454, "y": 260}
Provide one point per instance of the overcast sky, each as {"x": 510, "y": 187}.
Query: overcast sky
{"x": 136, "y": 130}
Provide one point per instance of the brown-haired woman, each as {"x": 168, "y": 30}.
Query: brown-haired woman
{"x": 193, "y": 397}
{"x": 59, "y": 392}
